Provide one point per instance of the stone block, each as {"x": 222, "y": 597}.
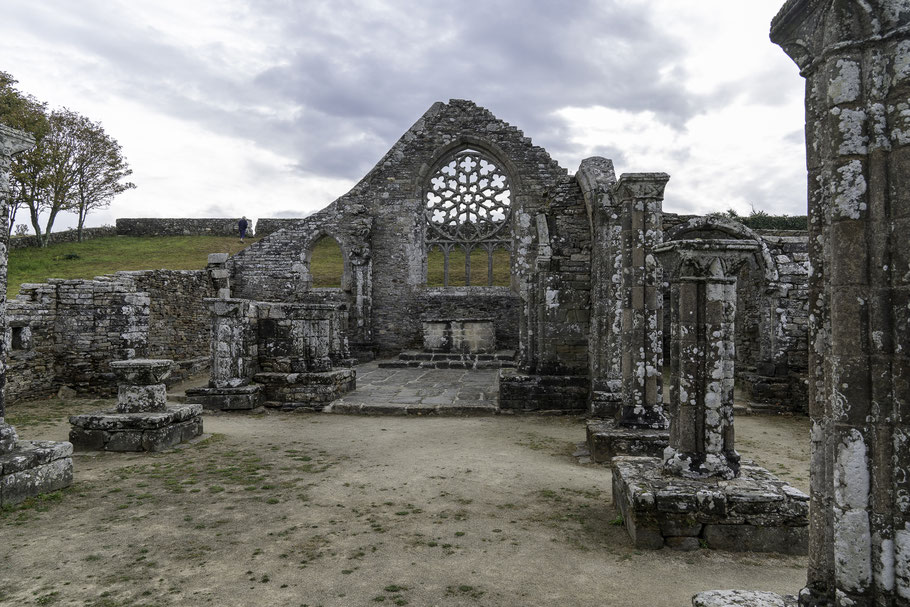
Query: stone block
{"x": 705, "y": 509}
{"x": 606, "y": 440}
{"x": 755, "y": 538}
{"x": 33, "y": 468}
{"x": 742, "y": 598}
{"x": 114, "y": 431}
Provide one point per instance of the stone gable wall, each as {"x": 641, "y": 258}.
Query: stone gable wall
{"x": 391, "y": 194}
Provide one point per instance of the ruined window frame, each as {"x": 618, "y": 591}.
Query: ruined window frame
{"x": 486, "y": 235}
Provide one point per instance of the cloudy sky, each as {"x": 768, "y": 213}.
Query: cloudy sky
{"x": 273, "y": 108}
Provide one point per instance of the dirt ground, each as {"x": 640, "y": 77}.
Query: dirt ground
{"x": 308, "y": 510}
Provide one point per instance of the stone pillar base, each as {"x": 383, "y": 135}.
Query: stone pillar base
{"x": 34, "y": 467}
{"x": 226, "y": 399}
{"x": 606, "y": 440}
{"x": 157, "y": 431}
{"x": 542, "y": 393}
{"x": 605, "y": 399}
{"x": 289, "y": 391}
{"x": 742, "y": 598}
{"x": 755, "y": 512}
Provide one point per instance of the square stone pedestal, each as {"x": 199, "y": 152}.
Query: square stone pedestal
{"x": 755, "y": 512}
{"x": 151, "y": 431}
{"x": 606, "y": 440}
{"x": 314, "y": 390}
{"x": 226, "y": 399}
{"x": 34, "y": 467}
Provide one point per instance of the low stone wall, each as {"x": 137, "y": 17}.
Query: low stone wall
{"x": 25, "y": 242}
{"x": 160, "y": 226}
{"x": 67, "y": 332}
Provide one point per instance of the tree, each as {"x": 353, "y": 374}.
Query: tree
{"x": 23, "y": 112}
{"x": 53, "y": 172}
{"x": 74, "y": 166}
{"x": 99, "y": 167}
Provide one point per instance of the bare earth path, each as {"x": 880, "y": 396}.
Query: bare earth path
{"x": 313, "y": 509}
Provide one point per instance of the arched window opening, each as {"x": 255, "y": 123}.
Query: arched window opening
{"x": 326, "y": 263}
{"x": 468, "y": 210}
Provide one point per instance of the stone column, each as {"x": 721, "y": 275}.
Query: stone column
{"x": 234, "y": 343}
{"x": 855, "y": 57}
{"x": 219, "y": 274}
{"x": 140, "y": 382}
{"x": 703, "y": 308}
{"x": 640, "y": 196}
{"x": 11, "y": 142}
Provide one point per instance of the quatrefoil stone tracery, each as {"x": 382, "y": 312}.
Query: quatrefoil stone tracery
{"x": 468, "y": 199}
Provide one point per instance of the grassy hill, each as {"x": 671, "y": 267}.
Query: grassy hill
{"x": 108, "y": 255}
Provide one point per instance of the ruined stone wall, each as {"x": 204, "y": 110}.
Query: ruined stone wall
{"x": 33, "y": 345}
{"x": 66, "y": 332}
{"x": 179, "y": 226}
{"x": 773, "y": 365}
{"x": 392, "y": 196}
{"x": 179, "y": 323}
{"x": 564, "y": 310}
{"x": 97, "y": 321}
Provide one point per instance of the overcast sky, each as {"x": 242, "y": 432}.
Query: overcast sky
{"x": 274, "y": 108}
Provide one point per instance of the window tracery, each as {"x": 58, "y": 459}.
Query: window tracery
{"x": 468, "y": 206}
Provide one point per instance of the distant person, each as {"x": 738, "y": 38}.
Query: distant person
{"x": 243, "y": 224}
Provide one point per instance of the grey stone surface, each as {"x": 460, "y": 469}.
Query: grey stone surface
{"x": 606, "y": 440}
{"x": 416, "y": 391}
{"x": 703, "y": 308}
{"x": 27, "y": 468}
{"x": 753, "y": 512}
{"x": 854, "y": 58}
{"x": 742, "y": 598}
{"x": 179, "y": 226}
{"x": 226, "y": 399}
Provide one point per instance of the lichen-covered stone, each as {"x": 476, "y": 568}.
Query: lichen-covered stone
{"x": 753, "y": 512}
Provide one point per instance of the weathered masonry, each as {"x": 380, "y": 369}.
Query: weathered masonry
{"x": 468, "y": 189}
{"x": 27, "y": 468}
{"x": 855, "y": 56}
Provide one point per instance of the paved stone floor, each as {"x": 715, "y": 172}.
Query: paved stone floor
{"x": 415, "y": 391}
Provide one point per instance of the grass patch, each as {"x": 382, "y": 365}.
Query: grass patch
{"x": 107, "y": 255}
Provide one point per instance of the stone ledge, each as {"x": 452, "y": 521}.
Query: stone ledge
{"x": 33, "y": 468}
{"x": 606, "y": 441}
{"x": 111, "y": 420}
{"x": 290, "y": 391}
{"x": 753, "y": 512}
{"x": 742, "y": 598}
{"x": 410, "y": 409}
{"x": 226, "y": 399}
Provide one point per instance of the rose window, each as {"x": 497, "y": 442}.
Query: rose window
{"x": 468, "y": 206}
{"x": 468, "y": 199}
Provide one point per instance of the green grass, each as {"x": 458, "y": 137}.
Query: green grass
{"x": 107, "y": 255}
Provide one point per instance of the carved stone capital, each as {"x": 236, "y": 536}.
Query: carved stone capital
{"x": 638, "y": 186}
